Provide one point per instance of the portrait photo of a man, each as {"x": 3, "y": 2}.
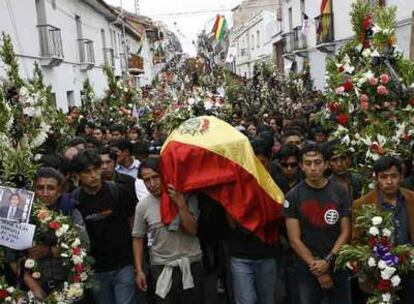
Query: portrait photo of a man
{"x": 15, "y": 204}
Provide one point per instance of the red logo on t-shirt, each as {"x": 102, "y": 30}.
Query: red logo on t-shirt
{"x": 319, "y": 214}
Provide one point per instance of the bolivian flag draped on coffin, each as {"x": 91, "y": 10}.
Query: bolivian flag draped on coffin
{"x": 208, "y": 155}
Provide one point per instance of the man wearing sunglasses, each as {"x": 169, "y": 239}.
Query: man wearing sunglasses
{"x": 289, "y": 174}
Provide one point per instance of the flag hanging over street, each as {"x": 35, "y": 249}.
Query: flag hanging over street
{"x": 208, "y": 155}
{"x": 220, "y": 26}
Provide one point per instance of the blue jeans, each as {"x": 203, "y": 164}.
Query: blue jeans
{"x": 116, "y": 287}
{"x": 253, "y": 280}
{"x": 308, "y": 290}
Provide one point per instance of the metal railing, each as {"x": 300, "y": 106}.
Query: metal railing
{"x": 109, "y": 56}
{"x": 86, "y": 51}
{"x": 50, "y": 41}
{"x": 287, "y": 43}
{"x": 324, "y": 28}
{"x": 299, "y": 39}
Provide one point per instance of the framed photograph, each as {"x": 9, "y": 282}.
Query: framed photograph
{"x": 15, "y": 204}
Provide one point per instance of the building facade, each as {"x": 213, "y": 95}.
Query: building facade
{"x": 304, "y": 45}
{"x": 73, "y": 40}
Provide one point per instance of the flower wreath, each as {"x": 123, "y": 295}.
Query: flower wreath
{"x": 375, "y": 258}
{"x": 71, "y": 244}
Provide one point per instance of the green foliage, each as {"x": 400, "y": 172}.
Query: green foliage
{"x": 8, "y": 56}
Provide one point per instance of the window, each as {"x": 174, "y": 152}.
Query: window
{"x": 71, "y": 98}
{"x": 258, "y": 39}
{"x": 252, "y": 42}
{"x": 54, "y": 4}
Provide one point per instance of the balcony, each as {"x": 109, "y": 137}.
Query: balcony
{"x": 109, "y": 57}
{"x": 136, "y": 64}
{"x": 86, "y": 54}
{"x": 288, "y": 45}
{"x": 325, "y": 33}
{"x": 51, "y": 49}
{"x": 299, "y": 42}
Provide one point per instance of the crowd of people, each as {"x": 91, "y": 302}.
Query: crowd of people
{"x": 108, "y": 180}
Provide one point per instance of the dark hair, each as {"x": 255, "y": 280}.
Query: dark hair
{"x": 87, "y": 158}
{"x": 102, "y": 128}
{"x": 287, "y": 151}
{"x": 50, "y": 160}
{"x": 312, "y": 148}
{"x": 387, "y": 162}
{"x": 260, "y": 147}
{"x": 330, "y": 149}
{"x": 90, "y": 124}
{"x": 292, "y": 132}
{"x": 118, "y": 128}
{"x": 267, "y": 137}
{"x": 141, "y": 147}
{"x": 49, "y": 172}
{"x": 76, "y": 141}
{"x": 123, "y": 144}
{"x": 110, "y": 151}
{"x": 152, "y": 163}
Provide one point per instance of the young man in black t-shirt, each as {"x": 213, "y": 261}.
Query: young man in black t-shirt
{"x": 106, "y": 212}
{"x": 317, "y": 215}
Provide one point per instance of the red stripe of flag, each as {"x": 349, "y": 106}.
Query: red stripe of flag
{"x": 224, "y": 181}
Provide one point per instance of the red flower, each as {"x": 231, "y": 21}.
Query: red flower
{"x": 384, "y": 78}
{"x": 373, "y": 81}
{"x": 363, "y": 98}
{"x": 385, "y": 286}
{"x": 333, "y": 106}
{"x": 76, "y": 278}
{"x": 366, "y": 44}
{"x": 55, "y": 225}
{"x": 376, "y": 148}
{"x": 372, "y": 241}
{"x": 381, "y": 90}
{"x": 4, "y": 293}
{"x": 411, "y": 102}
{"x": 367, "y": 22}
{"x": 405, "y": 137}
{"x": 348, "y": 85}
{"x": 341, "y": 68}
{"x": 79, "y": 268}
{"x": 364, "y": 106}
{"x": 342, "y": 119}
{"x": 76, "y": 251}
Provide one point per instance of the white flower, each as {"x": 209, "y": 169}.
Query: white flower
{"x": 366, "y": 53}
{"x": 36, "y": 275}
{"x": 386, "y": 232}
{"x": 10, "y": 289}
{"x": 387, "y": 272}
{"x": 386, "y": 297}
{"x": 382, "y": 265}
{"x": 395, "y": 280}
{"x": 83, "y": 276}
{"x": 29, "y": 264}
{"x": 376, "y": 220}
{"x": 75, "y": 291}
{"x": 373, "y": 231}
{"x": 77, "y": 259}
{"x": 372, "y": 262}
{"x": 75, "y": 243}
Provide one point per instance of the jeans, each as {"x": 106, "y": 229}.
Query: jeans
{"x": 116, "y": 287}
{"x": 308, "y": 290}
{"x": 253, "y": 280}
